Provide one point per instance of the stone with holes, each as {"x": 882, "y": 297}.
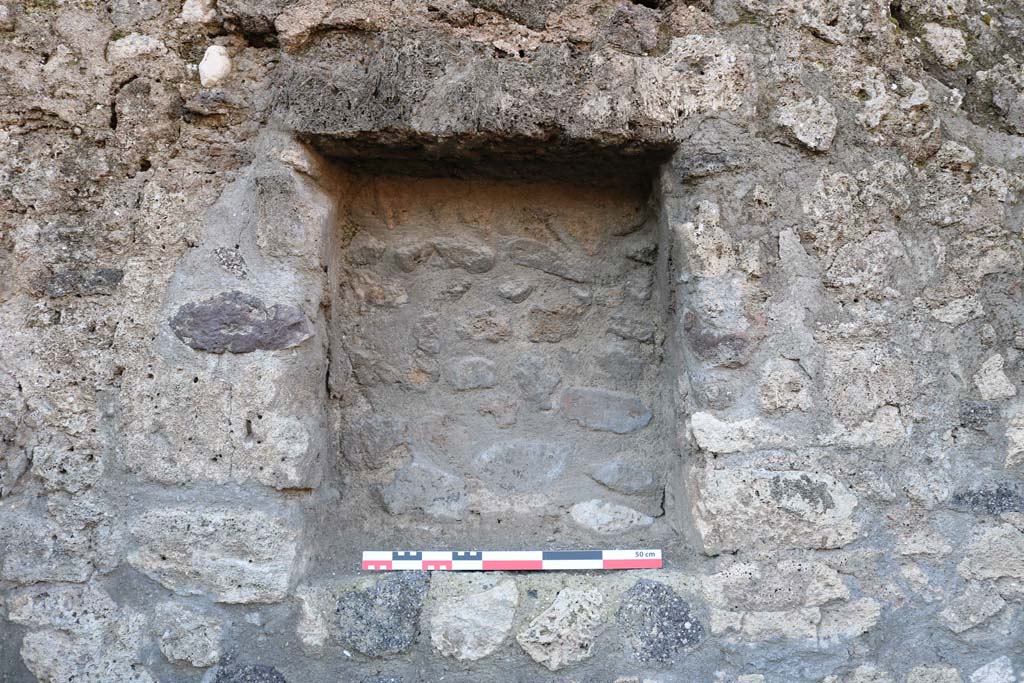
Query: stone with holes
{"x": 565, "y": 632}
{"x": 657, "y": 622}
{"x": 383, "y": 619}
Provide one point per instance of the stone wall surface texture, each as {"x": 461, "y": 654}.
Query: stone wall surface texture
{"x": 284, "y": 280}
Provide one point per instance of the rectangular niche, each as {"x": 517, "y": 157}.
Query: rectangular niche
{"x": 497, "y": 371}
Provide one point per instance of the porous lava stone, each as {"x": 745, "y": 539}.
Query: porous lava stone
{"x": 657, "y": 622}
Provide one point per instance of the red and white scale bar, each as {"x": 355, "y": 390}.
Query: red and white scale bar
{"x": 509, "y": 560}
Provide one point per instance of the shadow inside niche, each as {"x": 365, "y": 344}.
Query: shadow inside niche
{"x": 586, "y": 162}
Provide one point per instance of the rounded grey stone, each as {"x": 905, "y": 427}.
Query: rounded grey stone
{"x": 471, "y": 372}
{"x": 515, "y": 291}
{"x": 521, "y": 466}
{"x": 625, "y": 477}
{"x": 604, "y": 410}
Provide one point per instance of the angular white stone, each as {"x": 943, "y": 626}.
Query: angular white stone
{"x": 797, "y": 624}
{"x": 709, "y": 250}
{"x": 977, "y": 604}
{"x": 848, "y": 620}
{"x": 198, "y": 11}
{"x": 179, "y": 431}
{"x": 82, "y": 635}
{"x": 188, "y": 635}
{"x": 80, "y": 607}
{"x": 784, "y": 386}
{"x": 605, "y": 517}
{"x": 473, "y": 626}
{"x": 234, "y": 555}
{"x": 884, "y": 429}
{"x": 564, "y": 633}
{"x": 948, "y": 44}
{"x": 1015, "y": 435}
{"x": 215, "y": 66}
{"x": 997, "y": 671}
{"x": 933, "y": 673}
{"x": 959, "y": 311}
{"x": 994, "y": 553}
{"x": 992, "y": 382}
{"x": 865, "y": 673}
{"x": 788, "y": 584}
{"x": 812, "y": 122}
{"x": 720, "y": 436}
{"x": 133, "y": 46}
{"x": 312, "y": 628}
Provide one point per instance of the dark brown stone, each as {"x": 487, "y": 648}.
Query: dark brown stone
{"x": 236, "y": 322}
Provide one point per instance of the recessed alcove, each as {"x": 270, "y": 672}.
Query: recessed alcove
{"x": 498, "y": 373}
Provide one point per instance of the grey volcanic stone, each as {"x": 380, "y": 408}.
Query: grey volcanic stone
{"x": 536, "y": 381}
{"x": 83, "y": 282}
{"x": 625, "y": 477}
{"x": 702, "y": 164}
{"x": 515, "y": 291}
{"x": 633, "y": 28}
{"x": 645, "y": 253}
{"x": 813, "y": 493}
{"x": 537, "y": 255}
{"x": 629, "y": 328}
{"x": 255, "y": 17}
{"x": 409, "y": 257}
{"x": 240, "y": 323}
{"x": 372, "y": 440}
{"x": 657, "y": 622}
{"x": 622, "y": 361}
{"x": 427, "y": 334}
{"x": 383, "y": 620}
{"x": 129, "y": 12}
{"x": 521, "y": 466}
{"x": 454, "y": 289}
{"x": 992, "y": 500}
{"x": 249, "y": 673}
{"x": 552, "y": 326}
{"x": 976, "y": 414}
{"x": 423, "y": 486}
{"x": 470, "y": 257}
{"x": 726, "y": 349}
{"x": 604, "y": 410}
{"x": 445, "y": 253}
{"x": 470, "y": 372}
{"x": 484, "y": 325}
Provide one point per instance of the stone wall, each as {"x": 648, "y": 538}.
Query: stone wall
{"x": 286, "y": 280}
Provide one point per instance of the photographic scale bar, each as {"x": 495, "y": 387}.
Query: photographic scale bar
{"x": 508, "y": 560}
